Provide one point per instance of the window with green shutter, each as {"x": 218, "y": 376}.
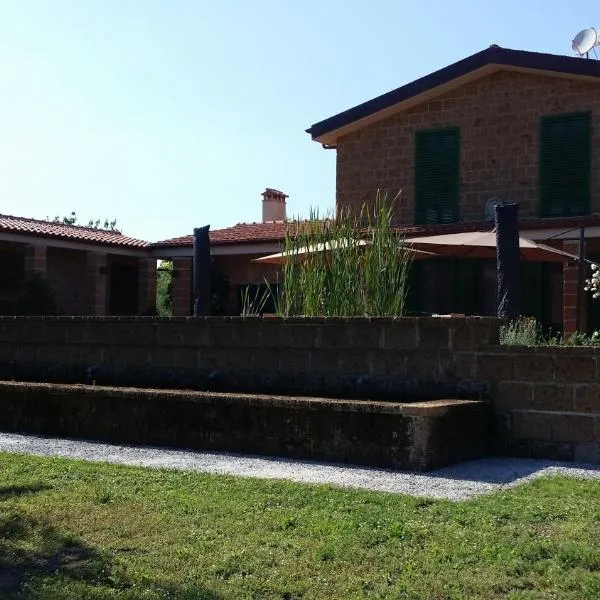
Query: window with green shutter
{"x": 437, "y": 176}
{"x": 565, "y": 165}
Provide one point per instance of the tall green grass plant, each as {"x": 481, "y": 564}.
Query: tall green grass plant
{"x": 362, "y": 269}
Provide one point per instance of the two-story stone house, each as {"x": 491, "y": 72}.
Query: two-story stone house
{"x": 519, "y": 126}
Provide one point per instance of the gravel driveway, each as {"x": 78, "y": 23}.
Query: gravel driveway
{"x": 458, "y": 482}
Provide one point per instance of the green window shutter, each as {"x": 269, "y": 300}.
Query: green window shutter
{"x": 565, "y": 165}
{"x": 437, "y": 176}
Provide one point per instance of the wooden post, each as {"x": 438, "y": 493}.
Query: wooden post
{"x": 202, "y": 292}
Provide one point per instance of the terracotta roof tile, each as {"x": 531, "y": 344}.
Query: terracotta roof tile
{"x": 74, "y": 233}
{"x": 242, "y": 233}
{"x": 248, "y": 233}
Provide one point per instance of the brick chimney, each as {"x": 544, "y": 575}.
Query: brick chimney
{"x": 273, "y": 205}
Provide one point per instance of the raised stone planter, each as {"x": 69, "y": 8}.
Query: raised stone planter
{"x": 418, "y": 436}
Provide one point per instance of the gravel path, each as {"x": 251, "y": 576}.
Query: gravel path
{"x": 458, "y": 482}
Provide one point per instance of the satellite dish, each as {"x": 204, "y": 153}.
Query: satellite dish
{"x": 490, "y": 208}
{"x": 584, "y": 41}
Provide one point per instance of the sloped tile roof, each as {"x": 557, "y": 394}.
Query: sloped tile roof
{"x": 242, "y": 233}
{"x": 252, "y": 233}
{"x": 72, "y": 233}
{"x": 328, "y": 130}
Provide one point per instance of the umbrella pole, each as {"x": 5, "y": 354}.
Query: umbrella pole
{"x": 580, "y": 278}
{"x": 508, "y": 261}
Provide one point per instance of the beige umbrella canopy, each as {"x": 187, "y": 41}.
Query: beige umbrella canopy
{"x": 280, "y": 258}
{"x": 482, "y": 244}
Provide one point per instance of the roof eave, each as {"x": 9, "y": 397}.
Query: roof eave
{"x": 473, "y": 67}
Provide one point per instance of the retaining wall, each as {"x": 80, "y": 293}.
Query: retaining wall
{"x": 546, "y": 401}
{"x": 413, "y": 436}
{"x": 396, "y": 359}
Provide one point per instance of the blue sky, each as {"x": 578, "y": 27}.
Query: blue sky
{"x": 169, "y": 115}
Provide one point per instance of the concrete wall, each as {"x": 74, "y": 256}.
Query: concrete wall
{"x": 499, "y": 120}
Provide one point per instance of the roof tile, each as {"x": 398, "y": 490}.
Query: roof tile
{"x": 247, "y": 233}
{"x": 74, "y": 233}
{"x": 242, "y": 233}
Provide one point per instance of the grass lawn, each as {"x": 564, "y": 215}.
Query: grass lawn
{"x": 71, "y": 529}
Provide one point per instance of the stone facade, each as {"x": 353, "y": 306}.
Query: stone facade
{"x": 499, "y": 120}
{"x": 80, "y": 278}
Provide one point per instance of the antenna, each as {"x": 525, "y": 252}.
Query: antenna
{"x": 584, "y": 41}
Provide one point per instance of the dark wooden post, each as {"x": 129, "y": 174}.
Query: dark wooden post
{"x": 508, "y": 261}
{"x": 202, "y": 292}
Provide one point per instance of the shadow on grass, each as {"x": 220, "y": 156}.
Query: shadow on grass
{"x": 36, "y": 559}
{"x": 9, "y": 491}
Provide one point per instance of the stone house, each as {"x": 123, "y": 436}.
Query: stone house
{"x": 92, "y": 271}
{"x": 501, "y": 124}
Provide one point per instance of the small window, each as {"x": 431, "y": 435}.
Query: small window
{"x": 565, "y": 165}
{"x": 437, "y": 164}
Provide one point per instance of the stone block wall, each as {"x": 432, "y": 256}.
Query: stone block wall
{"x": 417, "y": 436}
{"x": 547, "y": 402}
{"x": 499, "y": 120}
{"x": 397, "y": 359}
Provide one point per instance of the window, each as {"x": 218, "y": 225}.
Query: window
{"x": 565, "y": 164}
{"x": 437, "y": 163}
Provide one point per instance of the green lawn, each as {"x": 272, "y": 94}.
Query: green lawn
{"x": 70, "y": 529}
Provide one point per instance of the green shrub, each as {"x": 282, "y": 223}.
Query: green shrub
{"x": 36, "y": 296}
{"x": 526, "y": 331}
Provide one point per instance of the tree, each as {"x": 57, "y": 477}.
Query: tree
{"x": 92, "y": 224}
{"x": 164, "y": 288}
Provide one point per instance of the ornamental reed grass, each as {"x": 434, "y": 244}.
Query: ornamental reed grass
{"x": 361, "y": 270}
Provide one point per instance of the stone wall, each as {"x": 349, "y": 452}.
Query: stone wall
{"x": 397, "y": 359}
{"x": 499, "y": 120}
{"x": 385, "y": 434}
{"x": 547, "y": 402}
{"x": 64, "y": 266}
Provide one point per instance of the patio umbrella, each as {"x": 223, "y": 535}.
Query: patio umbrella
{"x": 280, "y": 258}
{"x": 482, "y": 244}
